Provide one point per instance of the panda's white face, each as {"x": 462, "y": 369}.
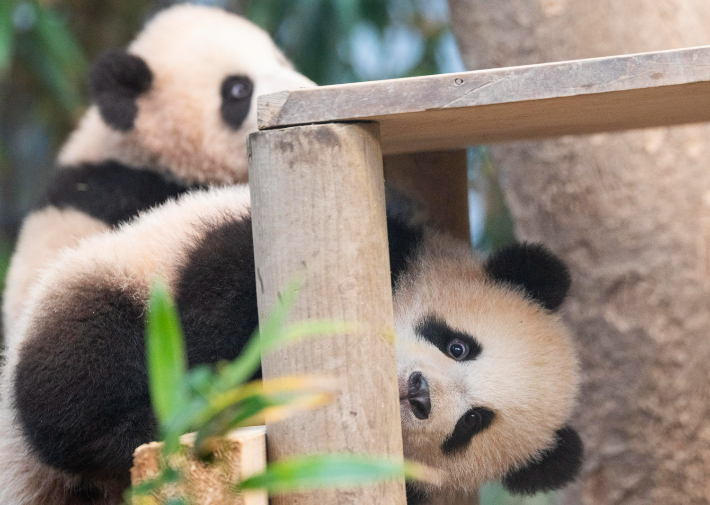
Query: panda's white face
{"x": 486, "y": 376}
{"x": 206, "y": 68}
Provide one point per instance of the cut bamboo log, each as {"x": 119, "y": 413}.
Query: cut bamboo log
{"x": 318, "y": 210}
{"x": 238, "y": 455}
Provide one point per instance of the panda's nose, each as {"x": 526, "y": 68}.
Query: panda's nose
{"x": 418, "y": 389}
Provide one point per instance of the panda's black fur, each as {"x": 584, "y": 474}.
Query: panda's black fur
{"x": 116, "y": 80}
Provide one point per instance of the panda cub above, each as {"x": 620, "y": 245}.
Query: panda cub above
{"x": 487, "y": 374}
{"x": 171, "y": 111}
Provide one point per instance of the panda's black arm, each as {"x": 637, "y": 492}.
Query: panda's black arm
{"x": 109, "y": 191}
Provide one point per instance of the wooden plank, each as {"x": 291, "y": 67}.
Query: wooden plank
{"x": 439, "y": 181}
{"x": 455, "y": 110}
{"x": 318, "y": 209}
{"x": 238, "y": 455}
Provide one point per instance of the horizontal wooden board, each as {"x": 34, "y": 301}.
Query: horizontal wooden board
{"x": 487, "y": 106}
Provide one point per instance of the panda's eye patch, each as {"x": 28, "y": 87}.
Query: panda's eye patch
{"x": 470, "y": 424}
{"x": 456, "y": 344}
{"x": 236, "y": 92}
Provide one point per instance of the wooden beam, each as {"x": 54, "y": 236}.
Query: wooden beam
{"x": 439, "y": 180}
{"x": 318, "y": 209}
{"x": 238, "y": 455}
{"x": 452, "y": 111}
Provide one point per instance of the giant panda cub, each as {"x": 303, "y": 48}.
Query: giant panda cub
{"x": 171, "y": 111}
{"x": 487, "y": 374}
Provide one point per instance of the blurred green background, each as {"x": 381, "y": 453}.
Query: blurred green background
{"x": 46, "y": 47}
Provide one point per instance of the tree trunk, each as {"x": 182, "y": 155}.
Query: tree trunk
{"x": 630, "y": 213}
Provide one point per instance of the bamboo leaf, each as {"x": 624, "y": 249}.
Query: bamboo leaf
{"x": 65, "y": 91}
{"x": 267, "y": 337}
{"x": 7, "y": 35}
{"x": 331, "y": 470}
{"x": 60, "y": 43}
{"x": 167, "y": 362}
{"x": 275, "y": 398}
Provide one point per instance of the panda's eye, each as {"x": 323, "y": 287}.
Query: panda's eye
{"x": 237, "y": 87}
{"x": 472, "y": 418}
{"x": 236, "y": 92}
{"x": 457, "y": 349}
{"x": 239, "y": 91}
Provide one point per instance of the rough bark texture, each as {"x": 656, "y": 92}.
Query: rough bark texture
{"x": 630, "y": 213}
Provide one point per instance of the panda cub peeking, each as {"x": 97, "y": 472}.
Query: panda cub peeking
{"x": 487, "y": 374}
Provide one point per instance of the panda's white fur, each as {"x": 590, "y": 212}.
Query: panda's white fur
{"x": 177, "y": 131}
{"x": 44, "y": 233}
{"x": 526, "y": 372}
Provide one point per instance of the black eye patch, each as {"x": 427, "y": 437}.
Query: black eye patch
{"x": 470, "y": 424}
{"x": 436, "y": 331}
{"x": 236, "y": 93}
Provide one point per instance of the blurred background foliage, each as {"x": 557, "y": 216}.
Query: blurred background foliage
{"x": 46, "y": 47}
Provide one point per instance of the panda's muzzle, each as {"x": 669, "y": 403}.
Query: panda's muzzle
{"x": 418, "y": 395}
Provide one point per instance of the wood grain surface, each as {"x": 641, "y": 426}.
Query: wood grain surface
{"x": 318, "y": 211}
{"x": 451, "y": 111}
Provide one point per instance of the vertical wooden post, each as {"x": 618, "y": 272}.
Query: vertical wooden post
{"x": 318, "y": 208}
{"x": 439, "y": 180}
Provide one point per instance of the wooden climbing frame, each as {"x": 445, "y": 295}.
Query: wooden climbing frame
{"x": 316, "y": 176}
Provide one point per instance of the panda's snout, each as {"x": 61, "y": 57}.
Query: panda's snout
{"x": 418, "y": 395}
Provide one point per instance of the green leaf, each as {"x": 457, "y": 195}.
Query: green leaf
{"x": 328, "y": 470}
{"x": 7, "y": 34}
{"x": 5, "y": 256}
{"x": 64, "y": 89}
{"x": 166, "y": 355}
{"x": 60, "y": 43}
{"x": 278, "y": 398}
{"x": 269, "y": 335}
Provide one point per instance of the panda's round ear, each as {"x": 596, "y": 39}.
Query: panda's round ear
{"x": 532, "y": 267}
{"x": 555, "y": 468}
{"x": 116, "y": 79}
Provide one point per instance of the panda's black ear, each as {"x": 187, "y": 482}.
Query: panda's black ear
{"x": 555, "y": 468}
{"x": 116, "y": 79}
{"x": 533, "y": 267}
{"x": 405, "y": 230}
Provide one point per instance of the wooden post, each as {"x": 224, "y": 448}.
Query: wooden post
{"x": 439, "y": 180}
{"x": 318, "y": 209}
